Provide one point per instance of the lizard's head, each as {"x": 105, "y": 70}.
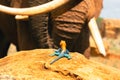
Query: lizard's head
{"x": 62, "y": 43}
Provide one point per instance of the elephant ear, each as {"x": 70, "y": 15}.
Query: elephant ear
{"x": 94, "y": 8}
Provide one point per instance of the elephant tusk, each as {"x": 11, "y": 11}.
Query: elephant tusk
{"x": 21, "y": 17}
{"x": 44, "y": 8}
{"x": 96, "y": 36}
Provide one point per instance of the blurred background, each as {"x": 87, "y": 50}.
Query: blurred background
{"x": 109, "y": 25}
{"x": 111, "y": 9}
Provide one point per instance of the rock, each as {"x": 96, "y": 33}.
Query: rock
{"x": 112, "y": 27}
{"x": 34, "y": 65}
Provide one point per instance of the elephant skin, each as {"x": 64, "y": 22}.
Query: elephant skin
{"x": 68, "y": 22}
{"x": 8, "y": 30}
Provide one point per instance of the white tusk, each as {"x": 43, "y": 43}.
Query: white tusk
{"x": 21, "y": 17}
{"x": 96, "y": 36}
{"x": 44, "y": 8}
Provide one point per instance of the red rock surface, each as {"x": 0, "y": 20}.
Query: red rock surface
{"x": 34, "y": 65}
{"x": 112, "y": 27}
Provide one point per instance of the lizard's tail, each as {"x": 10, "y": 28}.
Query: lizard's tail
{"x": 54, "y": 60}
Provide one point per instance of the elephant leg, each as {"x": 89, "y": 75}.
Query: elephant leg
{"x": 4, "y": 45}
{"x": 39, "y": 26}
{"x": 7, "y": 30}
{"x": 72, "y": 27}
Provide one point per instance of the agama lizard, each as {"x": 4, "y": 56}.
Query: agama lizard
{"x": 61, "y": 52}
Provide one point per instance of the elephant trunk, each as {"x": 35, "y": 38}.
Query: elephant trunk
{"x": 39, "y": 26}
{"x": 71, "y": 26}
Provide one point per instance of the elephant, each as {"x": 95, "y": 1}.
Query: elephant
{"x": 8, "y": 31}
{"x": 68, "y": 22}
